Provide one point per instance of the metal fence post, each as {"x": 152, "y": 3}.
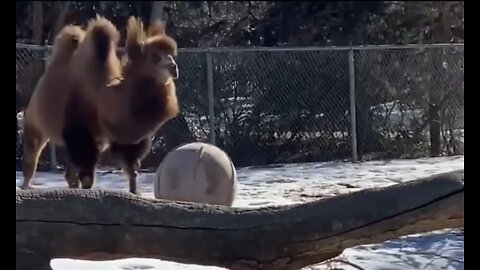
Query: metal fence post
{"x": 353, "y": 116}
{"x": 211, "y": 105}
{"x": 52, "y": 149}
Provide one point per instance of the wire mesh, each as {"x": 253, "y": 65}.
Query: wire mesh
{"x": 293, "y": 105}
{"x": 410, "y": 103}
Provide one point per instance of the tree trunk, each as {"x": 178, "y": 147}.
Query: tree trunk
{"x": 434, "y": 99}
{"x": 37, "y": 22}
{"x": 434, "y": 127}
{"x": 60, "y": 21}
{"x": 102, "y": 225}
{"x": 157, "y": 11}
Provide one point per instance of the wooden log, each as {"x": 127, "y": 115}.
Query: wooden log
{"x": 101, "y": 225}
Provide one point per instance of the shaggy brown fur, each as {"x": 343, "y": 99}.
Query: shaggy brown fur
{"x": 81, "y": 61}
{"x": 90, "y": 101}
{"x": 148, "y": 94}
{"x": 136, "y": 106}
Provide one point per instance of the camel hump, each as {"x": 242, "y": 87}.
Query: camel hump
{"x": 103, "y": 34}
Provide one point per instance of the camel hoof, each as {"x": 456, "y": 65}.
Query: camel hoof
{"x": 26, "y": 187}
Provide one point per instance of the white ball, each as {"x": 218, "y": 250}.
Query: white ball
{"x": 196, "y": 172}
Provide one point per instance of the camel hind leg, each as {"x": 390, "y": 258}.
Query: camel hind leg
{"x": 130, "y": 157}
{"x": 82, "y": 153}
{"x": 71, "y": 174}
{"x": 33, "y": 143}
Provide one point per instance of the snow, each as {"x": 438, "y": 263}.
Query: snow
{"x": 297, "y": 183}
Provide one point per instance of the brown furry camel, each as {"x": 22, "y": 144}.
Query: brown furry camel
{"x": 88, "y": 102}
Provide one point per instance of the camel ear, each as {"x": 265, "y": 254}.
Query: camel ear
{"x": 135, "y": 38}
{"x": 156, "y": 28}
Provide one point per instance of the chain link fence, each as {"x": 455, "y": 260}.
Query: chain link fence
{"x": 410, "y": 103}
{"x": 29, "y": 67}
{"x": 279, "y": 105}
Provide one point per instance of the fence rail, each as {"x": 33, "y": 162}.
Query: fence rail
{"x": 281, "y": 105}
